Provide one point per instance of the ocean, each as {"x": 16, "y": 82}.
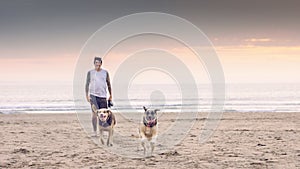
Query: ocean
{"x": 18, "y": 98}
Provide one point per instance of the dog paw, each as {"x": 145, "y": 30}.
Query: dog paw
{"x": 109, "y": 144}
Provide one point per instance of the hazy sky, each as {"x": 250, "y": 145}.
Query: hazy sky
{"x": 257, "y": 41}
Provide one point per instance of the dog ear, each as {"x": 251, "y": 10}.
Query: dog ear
{"x": 145, "y": 108}
{"x": 109, "y": 112}
{"x": 156, "y": 110}
{"x": 94, "y": 108}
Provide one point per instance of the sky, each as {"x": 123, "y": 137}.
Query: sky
{"x": 256, "y": 41}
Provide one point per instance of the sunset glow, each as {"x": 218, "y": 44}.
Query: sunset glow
{"x": 267, "y": 50}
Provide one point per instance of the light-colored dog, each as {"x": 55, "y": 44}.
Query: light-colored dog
{"x": 148, "y": 128}
{"x": 106, "y": 122}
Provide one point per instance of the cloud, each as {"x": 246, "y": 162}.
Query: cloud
{"x": 259, "y": 40}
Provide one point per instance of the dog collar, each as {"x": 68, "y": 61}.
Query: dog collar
{"x": 103, "y": 124}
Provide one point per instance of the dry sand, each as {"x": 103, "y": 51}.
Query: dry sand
{"x": 241, "y": 140}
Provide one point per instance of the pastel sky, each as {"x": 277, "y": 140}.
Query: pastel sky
{"x": 256, "y": 41}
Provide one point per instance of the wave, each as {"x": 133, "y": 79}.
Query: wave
{"x": 172, "y": 106}
{"x": 239, "y": 98}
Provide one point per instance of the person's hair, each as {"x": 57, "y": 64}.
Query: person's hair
{"x": 97, "y": 58}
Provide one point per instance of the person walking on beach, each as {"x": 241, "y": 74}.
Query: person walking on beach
{"x": 97, "y": 83}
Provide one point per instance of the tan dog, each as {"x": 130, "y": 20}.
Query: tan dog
{"x": 148, "y": 128}
{"x": 106, "y": 122}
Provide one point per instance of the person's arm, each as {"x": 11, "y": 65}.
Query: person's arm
{"x": 87, "y": 84}
{"x": 109, "y": 86}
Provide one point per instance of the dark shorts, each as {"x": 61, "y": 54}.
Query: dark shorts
{"x": 99, "y": 102}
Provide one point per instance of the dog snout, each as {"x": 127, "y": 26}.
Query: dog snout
{"x": 102, "y": 115}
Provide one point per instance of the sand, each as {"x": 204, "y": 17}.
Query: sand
{"x": 241, "y": 140}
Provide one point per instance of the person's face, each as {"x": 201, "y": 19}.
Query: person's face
{"x": 97, "y": 65}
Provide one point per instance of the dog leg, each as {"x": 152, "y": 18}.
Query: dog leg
{"x": 94, "y": 123}
{"x": 112, "y": 137}
{"x": 143, "y": 140}
{"x": 109, "y": 140}
{"x": 101, "y": 136}
{"x": 152, "y": 144}
{"x": 152, "y": 147}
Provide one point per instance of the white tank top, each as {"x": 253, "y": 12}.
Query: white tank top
{"x": 98, "y": 85}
